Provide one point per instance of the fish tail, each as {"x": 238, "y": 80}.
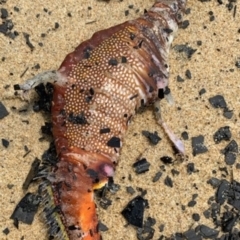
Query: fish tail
{"x": 70, "y": 209}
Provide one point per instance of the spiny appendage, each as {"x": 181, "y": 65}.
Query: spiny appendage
{"x": 52, "y": 213}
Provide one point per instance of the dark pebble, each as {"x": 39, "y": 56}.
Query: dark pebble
{"x": 26, "y": 208}
{"x": 222, "y": 191}
{"x": 188, "y": 74}
{"x": 230, "y": 158}
{"x": 192, "y": 203}
{"x": 189, "y": 51}
{"x": 199, "y": 42}
{"x": 222, "y": 133}
{"x": 130, "y": 190}
{"x": 185, "y": 24}
{"x": 218, "y": 101}
{"x": 184, "y": 135}
{"x": 214, "y": 182}
{"x": 4, "y": 13}
{"x": 202, "y": 91}
{"x": 102, "y": 227}
{"x": 208, "y": 232}
{"x": 153, "y": 137}
{"x": 191, "y": 235}
{"x": 179, "y": 79}
{"x": 3, "y": 111}
{"x": 166, "y": 159}
{"x": 168, "y": 182}
{"x": 227, "y": 113}
{"x": 6, "y": 231}
{"x": 198, "y": 145}
{"x": 32, "y": 173}
{"x": 157, "y": 176}
{"x": 5, "y": 143}
{"x": 134, "y": 211}
{"x": 141, "y": 166}
{"x": 196, "y": 217}
{"x": 190, "y": 168}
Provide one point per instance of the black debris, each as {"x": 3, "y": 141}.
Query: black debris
{"x": 102, "y": 227}
{"x": 192, "y": 203}
{"x": 214, "y": 182}
{"x": 111, "y": 186}
{"x": 222, "y": 133}
{"x": 168, "y": 182}
{"x": 166, "y": 159}
{"x": 147, "y": 232}
{"x": 189, "y": 51}
{"x": 202, "y": 91}
{"x": 134, "y": 211}
{"x": 166, "y": 91}
{"x": 157, "y": 176}
{"x": 5, "y": 143}
{"x": 49, "y": 157}
{"x": 3, "y": 111}
{"x": 199, "y": 43}
{"x": 6, "y": 27}
{"x": 161, "y": 228}
{"x": 218, "y": 101}
{"x": 114, "y": 142}
{"x": 234, "y": 195}
{"x": 56, "y": 25}
{"x": 123, "y": 59}
{"x": 104, "y": 130}
{"x": 87, "y": 52}
{"x": 222, "y": 191}
{"x": 188, "y": 74}
{"x": 153, "y": 137}
{"x": 190, "y": 168}
{"x": 105, "y": 202}
{"x": 26, "y": 208}
{"x": 228, "y": 221}
{"x": 185, "y": 135}
{"x": 113, "y": 62}
{"x": 77, "y": 118}
{"x": 196, "y": 217}
{"x": 28, "y": 42}
{"x": 32, "y": 173}
{"x": 141, "y": 166}
{"x": 227, "y": 113}
{"x": 231, "y": 147}
{"x": 130, "y": 190}
{"x": 47, "y": 128}
{"x": 6, "y": 231}
{"x": 45, "y": 94}
{"x": 179, "y": 79}
{"x": 230, "y": 158}
{"x": 208, "y": 232}
{"x": 212, "y": 18}
{"x": 3, "y": 13}
{"x": 133, "y": 96}
{"x": 198, "y": 145}
{"x": 185, "y": 24}
{"x": 190, "y": 235}
{"x": 175, "y": 172}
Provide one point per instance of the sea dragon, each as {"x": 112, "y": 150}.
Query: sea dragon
{"x": 97, "y": 90}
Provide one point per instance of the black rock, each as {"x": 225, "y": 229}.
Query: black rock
{"x": 134, "y": 211}
{"x": 26, "y": 208}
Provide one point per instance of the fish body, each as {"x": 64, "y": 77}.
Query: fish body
{"x": 97, "y": 90}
